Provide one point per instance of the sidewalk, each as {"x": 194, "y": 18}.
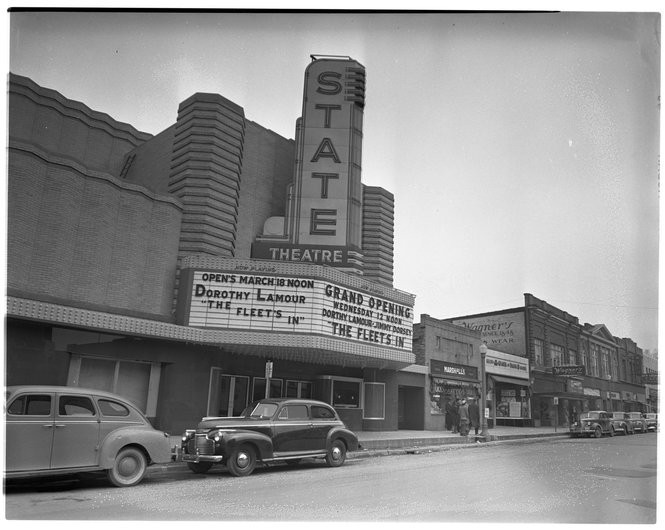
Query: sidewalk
{"x": 395, "y": 442}
{"x": 385, "y": 443}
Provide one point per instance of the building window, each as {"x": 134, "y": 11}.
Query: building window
{"x": 572, "y": 357}
{"x": 374, "y": 402}
{"x": 438, "y": 342}
{"x": 538, "y": 352}
{"x": 605, "y": 360}
{"x": 346, "y": 393}
{"x": 594, "y": 360}
{"x": 556, "y": 355}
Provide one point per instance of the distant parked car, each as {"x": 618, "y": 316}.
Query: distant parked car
{"x": 56, "y": 430}
{"x": 269, "y": 431}
{"x": 638, "y": 422}
{"x": 621, "y": 423}
{"x": 593, "y": 423}
{"x": 652, "y": 421}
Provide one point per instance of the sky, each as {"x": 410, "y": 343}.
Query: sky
{"x": 522, "y": 148}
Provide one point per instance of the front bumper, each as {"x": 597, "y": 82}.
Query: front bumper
{"x": 186, "y": 457}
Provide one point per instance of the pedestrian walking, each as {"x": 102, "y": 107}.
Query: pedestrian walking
{"x": 474, "y": 414}
{"x": 454, "y": 416}
{"x": 463, "y": 419}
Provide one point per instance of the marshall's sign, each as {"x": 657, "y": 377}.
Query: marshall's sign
{"x": 569, "y": 370}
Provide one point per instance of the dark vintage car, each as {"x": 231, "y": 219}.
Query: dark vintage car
{"x": 621, "y": 423}
{"x": 593, "y": 423}
{"x": 269, "y": 431}
{"x": 56, "y": 430}
{"x": 638, "y": 422}
{"x": 652, "y": 421}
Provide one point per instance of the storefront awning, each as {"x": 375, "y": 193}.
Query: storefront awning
{"x": 511, "y": 380}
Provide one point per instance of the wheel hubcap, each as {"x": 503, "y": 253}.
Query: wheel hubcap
{"x": 336, "y": 453}
{"x": 128, "y": 467}
{"x": 242, "y": 460}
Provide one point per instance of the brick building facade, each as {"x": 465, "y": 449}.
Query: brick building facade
{"x": 105, "y": 223}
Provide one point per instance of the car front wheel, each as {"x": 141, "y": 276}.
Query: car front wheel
{"x": 199, "y": 467}
{"x": 612, "y": 433}
{"x": 242, "y": 461}
{"x": 336, "y": 454}
{"x": 598, "y": 432}
{"x": 128, "y": 468}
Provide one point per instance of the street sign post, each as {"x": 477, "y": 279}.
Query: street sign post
{"x": 268, "y": 376}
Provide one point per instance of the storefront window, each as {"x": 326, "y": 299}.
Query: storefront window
{"x": 346, "y": 393}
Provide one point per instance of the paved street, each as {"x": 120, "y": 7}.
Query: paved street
{"x": 611, "y": 480}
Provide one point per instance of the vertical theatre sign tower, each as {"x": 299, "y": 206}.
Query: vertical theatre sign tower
{"x": 324, "y": 214}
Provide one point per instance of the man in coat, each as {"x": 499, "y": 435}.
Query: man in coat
{"x": 464, "y": 419}
{"x": 474, "y": 414}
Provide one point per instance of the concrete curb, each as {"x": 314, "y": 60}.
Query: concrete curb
{"x": 411, "y": 447}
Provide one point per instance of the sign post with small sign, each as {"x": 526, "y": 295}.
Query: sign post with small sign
{"x": 268, "y": 376}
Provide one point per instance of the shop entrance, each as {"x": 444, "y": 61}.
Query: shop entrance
{"x": 228, "y": 394}
{"x": 410, "y": 401}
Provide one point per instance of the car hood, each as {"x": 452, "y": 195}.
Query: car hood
{"x": 231, "y": 423}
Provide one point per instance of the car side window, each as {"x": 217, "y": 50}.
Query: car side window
{"x": 31, "y": 405}
{"x": 322, "y": 413}
{"x": 294, "y": 412}
{"x": 112, "y": 408}
{"x": 76, "y": 406}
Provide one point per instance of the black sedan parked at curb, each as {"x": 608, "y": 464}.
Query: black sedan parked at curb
{"x": 593, "y": 423}
{"x": 268, "y": 431}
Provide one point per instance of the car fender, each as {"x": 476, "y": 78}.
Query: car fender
{"x": 155, "y": 444}
{"x": 262, "y": 442}
{"x": 349, "y": 438}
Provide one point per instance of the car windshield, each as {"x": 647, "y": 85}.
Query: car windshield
{"x": 260, "y": 410}
{"x": 590, "y": 415}
{"x": 617, "y": 416}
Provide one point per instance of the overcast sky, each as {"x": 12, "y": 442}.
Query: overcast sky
{"x": 522, "y": 149}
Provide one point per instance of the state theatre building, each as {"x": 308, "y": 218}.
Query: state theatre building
{"x": 204, "y": 267}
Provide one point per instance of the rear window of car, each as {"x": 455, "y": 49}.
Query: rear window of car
{"x": 319, "y": 412}
{"x": 31, "y": 405}
{"x": 112, "y": 408}
{"x": 76, "y": 406}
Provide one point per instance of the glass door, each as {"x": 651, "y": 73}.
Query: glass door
{"x": 228, "y": 394}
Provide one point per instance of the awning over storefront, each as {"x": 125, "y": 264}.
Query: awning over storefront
{"x": 511, "y": 380}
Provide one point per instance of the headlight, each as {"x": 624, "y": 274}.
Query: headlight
{"x": 189, "y": 433}
{"x": 216, "y": 435}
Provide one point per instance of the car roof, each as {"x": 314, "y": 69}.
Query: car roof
{"x": 295, "y": 401}
{"x": 11, "y": 390}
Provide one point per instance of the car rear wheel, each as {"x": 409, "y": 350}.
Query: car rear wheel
{"x": 598, "y": 432}
{"x": 128, "y": 468}
{"x": 242, "y": 461}
{"x": 199, "y": 467}
{"x": 336, "y": 454}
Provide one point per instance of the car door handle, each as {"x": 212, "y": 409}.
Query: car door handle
{"x": 48, "y": 426}
{"x": 60, "y": 425}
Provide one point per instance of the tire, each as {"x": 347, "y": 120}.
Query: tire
{"x": 336, "y": 454}
{"x": 598, "y": 433}
{"x": 241, "y": 461}
{"x": 128, "y": 468}
{"x": 612, "y": 433}
{"x": 199, "y": 467}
